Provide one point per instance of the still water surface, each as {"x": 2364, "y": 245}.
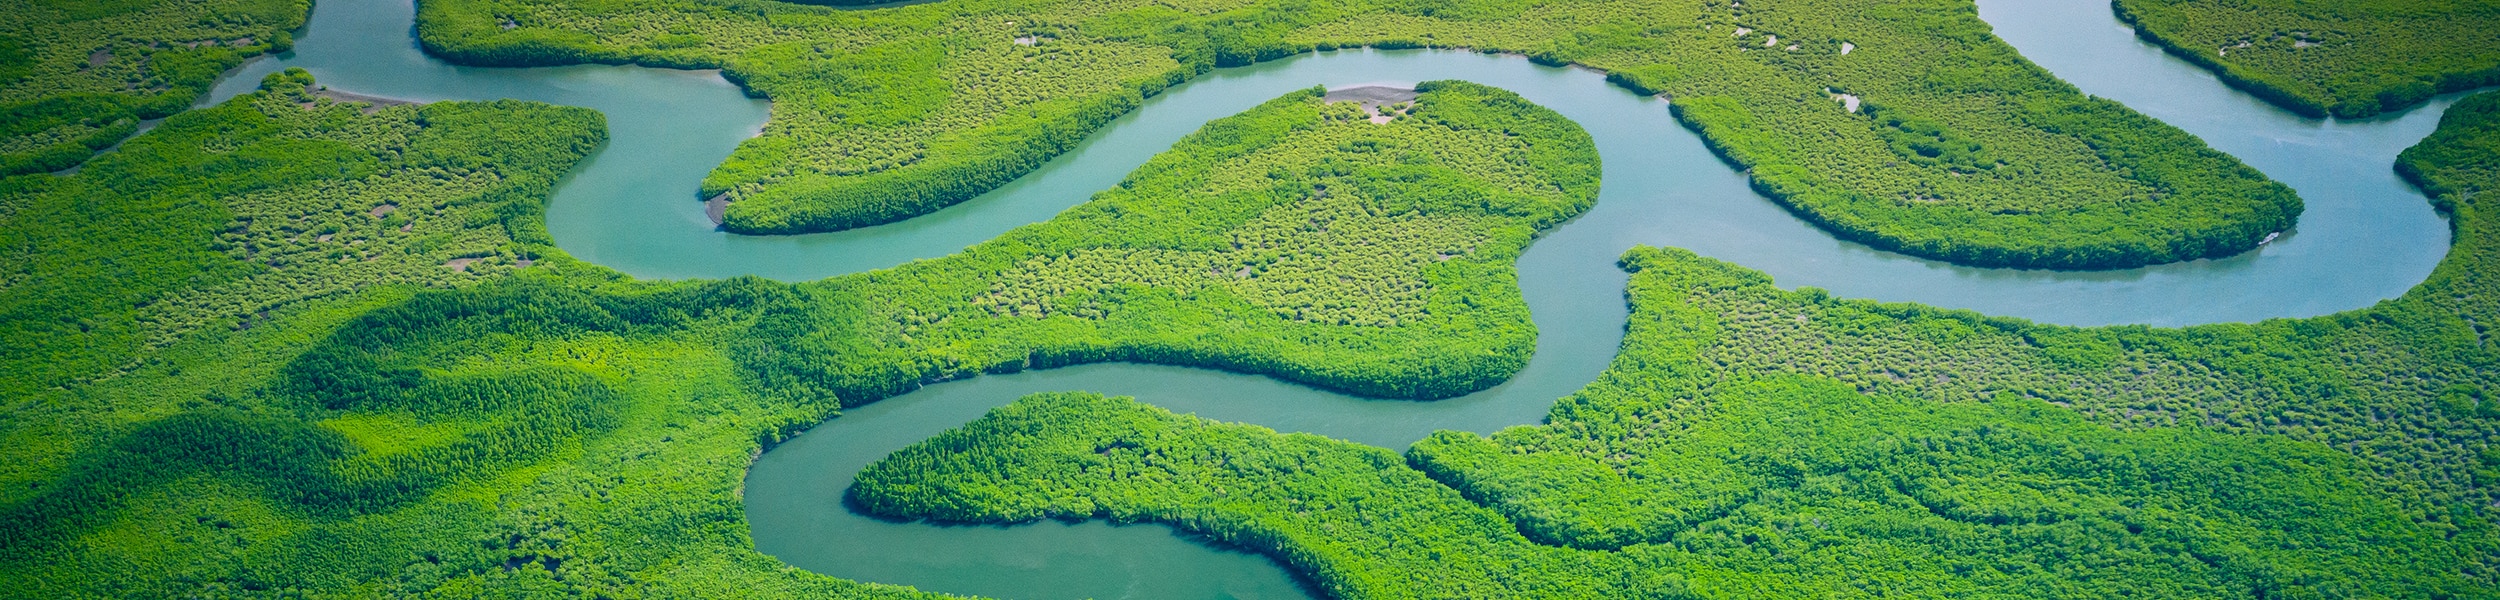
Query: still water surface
{"x": 2366, "y": 236}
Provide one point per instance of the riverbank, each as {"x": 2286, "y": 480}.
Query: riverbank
{"x": 651, "y": 500}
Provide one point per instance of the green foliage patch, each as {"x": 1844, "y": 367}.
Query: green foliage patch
{"x": 1929, "y": 143}
{"x": 77, "y": 76}
{"x": 16, "y": 60}
{"x": 473, "y": 438}
{"x": 2347, "y": 59}
{"x": 2000, "y": 499}
{"x": 81, "y": 10}
{"x": 2452, "y": 163}
{"x": 59, "y": 132}
{"x": 205, "y": 227}
{"x": 226, "y": 212}
{"x": 1247, "y": 247}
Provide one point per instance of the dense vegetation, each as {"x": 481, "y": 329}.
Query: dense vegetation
{"x": 2347, "y": 59}
{"x": 230, "y": 372}
{"x": 1754, "y": 442}
{"x": 1297, "y": 240}
{"x": 558, "y": 428}
{"x": 150, "y": 298}
{"x": 1973, "y": 155}
{"x": 1834, "y": 493}
{"x": 78, "y": 75}
{"x": 268, "y": 200}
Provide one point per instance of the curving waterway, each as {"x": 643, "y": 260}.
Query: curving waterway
{"x": 2366, "y": 236}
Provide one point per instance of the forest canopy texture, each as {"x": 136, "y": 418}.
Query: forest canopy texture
{"x": 76, "y": 76}
{"x": 391, "y": 425}
{"x": 553, "y": 429}
{"x": 1961, "y": 151}
{"x": 291, "y": 346}
{"x": 2348, "y": 59}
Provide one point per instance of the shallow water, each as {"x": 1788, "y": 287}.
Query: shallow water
{"x": 2366, "y": 236}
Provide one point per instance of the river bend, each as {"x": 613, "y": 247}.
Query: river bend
{"x": 2365, "y": 236}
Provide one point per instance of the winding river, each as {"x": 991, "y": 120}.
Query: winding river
{"x": 2366, "y": 236}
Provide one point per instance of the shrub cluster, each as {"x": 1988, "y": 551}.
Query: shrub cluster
{"x": 375, "y": 420}
{"x": 76, "y": 77}
{"x": 1786, "y": 486}
{"x": 563, "y": 432}
{"x": 276, "y": 197}
{"x": 2346, "y": 59}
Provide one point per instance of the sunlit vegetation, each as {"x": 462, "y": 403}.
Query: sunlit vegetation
{"x": 1361, "y": 248}
{"x": 1971, "y": 154}
{"x": 558, "y": 428}
{"x": 1248, "y": 246}
{"x": 240, "y": 365}
{"x": 78, "y": 75}
{"x": 228, "y": 212}
{"x": 1755, "y": 442}
{"x": 1836, "y": 493}
{"x": 231, "y": 373}
{"x": 150, "y": 298}
{"x": 533, "y": 434}
{"x": 2347, "y": 59}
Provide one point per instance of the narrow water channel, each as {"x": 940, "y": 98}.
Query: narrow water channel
{"x": 2366, "y": 236}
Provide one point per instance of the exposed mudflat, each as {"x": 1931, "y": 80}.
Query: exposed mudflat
{"x": 373, "y": 103}
{"x": 716, "y": 207}
{"x": 1372, "y": 96}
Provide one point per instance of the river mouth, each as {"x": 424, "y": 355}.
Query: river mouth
{"x": 2365, "y": 236}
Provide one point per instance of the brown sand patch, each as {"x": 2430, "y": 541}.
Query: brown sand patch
{"x": 1383, "y": 103}
{"x": 372, "y": 103}
{"x": 716, "y": 207}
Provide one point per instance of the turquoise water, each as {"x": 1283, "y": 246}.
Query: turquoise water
{"x": 2365, "y": 237}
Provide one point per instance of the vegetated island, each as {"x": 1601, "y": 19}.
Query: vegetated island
{"x": 2347, "y": 59}
{"x": 1957, "y": 148}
